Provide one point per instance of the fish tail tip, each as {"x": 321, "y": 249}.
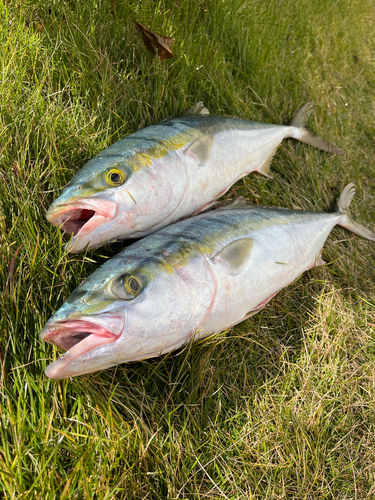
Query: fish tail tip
{"x": 303, "y": 134}
{"x": 343, "y": 204}
{"x": 302, "y": 115}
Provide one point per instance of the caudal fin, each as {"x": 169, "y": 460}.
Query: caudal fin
{"x": 343, "y": 207}
{"x": 304, "y": 135}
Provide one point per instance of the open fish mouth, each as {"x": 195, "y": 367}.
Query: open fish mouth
{"x": 78, "y": 338}
{"x": 73, "y": 221}
{"x": 81, "y": 217}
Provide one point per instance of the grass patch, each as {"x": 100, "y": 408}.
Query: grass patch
{"x": 281, "y": 406}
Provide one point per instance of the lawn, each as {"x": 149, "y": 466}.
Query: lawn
{"x": 281, "y": 406}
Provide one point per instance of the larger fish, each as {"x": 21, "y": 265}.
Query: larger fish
{"x": 165, "y": 172}
{"x": 196, "y": 277}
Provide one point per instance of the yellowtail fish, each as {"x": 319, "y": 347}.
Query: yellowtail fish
{"x": 193, "y": 278}
{"x": 166, "y": 172}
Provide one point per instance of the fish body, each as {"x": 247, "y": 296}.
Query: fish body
{"x": 166, "y": 172}
{"x": 194, "y": 278}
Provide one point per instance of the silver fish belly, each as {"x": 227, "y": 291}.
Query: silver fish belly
{"x": 194, "y": 278}
{"x": 166, "y": 172}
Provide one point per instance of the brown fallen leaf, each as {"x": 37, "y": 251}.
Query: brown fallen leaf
{"x": 156, "y": 44}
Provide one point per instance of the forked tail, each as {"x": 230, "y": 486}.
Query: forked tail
{"x": 304, "y": 135}
{"x": 343, "y": 207}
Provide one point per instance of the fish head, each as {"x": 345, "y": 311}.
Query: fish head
{"x": 111, "y": 197}
{"x": 130, "y": 309}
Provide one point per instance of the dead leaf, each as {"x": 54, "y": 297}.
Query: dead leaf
{"x": 156, "y": 44}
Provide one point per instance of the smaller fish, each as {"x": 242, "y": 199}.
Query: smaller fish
{"x": 167, "y": 172}
{"x": 194, "y": 278}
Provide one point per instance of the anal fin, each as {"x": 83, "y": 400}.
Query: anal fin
{"x": 265, "y": 169}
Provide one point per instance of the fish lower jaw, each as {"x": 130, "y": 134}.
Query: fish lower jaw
{"x": 81, "y": 222}
{"x": 75, "y": 220}
{"x": 77, "y": 338}
{"x": 83, "y": 236}
{"x": 82, "y": 217}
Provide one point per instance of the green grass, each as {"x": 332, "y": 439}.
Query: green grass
{"x": 280, "y": 407}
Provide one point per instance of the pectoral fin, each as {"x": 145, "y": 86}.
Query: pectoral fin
{"x": 236, "y": 254}
{"x": 200, "y": 149}
{"x": 319, "y": 261}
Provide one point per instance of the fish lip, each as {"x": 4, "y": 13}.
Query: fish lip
{"x": 64, "y": 334}
{"x": 100, "y": 210}
{"x": 57, "y": 332}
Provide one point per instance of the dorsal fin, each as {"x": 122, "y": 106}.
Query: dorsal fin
{"x": 236, "y": 254}
{"x": 200, "y": 149}
{"x": 198, "y": 109}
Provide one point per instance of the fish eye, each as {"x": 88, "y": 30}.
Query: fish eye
{"x": 132, "y": 284}
{"x": 114, "y": 177}
{"x": 126, "y": 287}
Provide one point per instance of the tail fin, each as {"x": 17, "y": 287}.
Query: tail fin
{"x": 304, "y": 135}
{"x": 343, "y": 207}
